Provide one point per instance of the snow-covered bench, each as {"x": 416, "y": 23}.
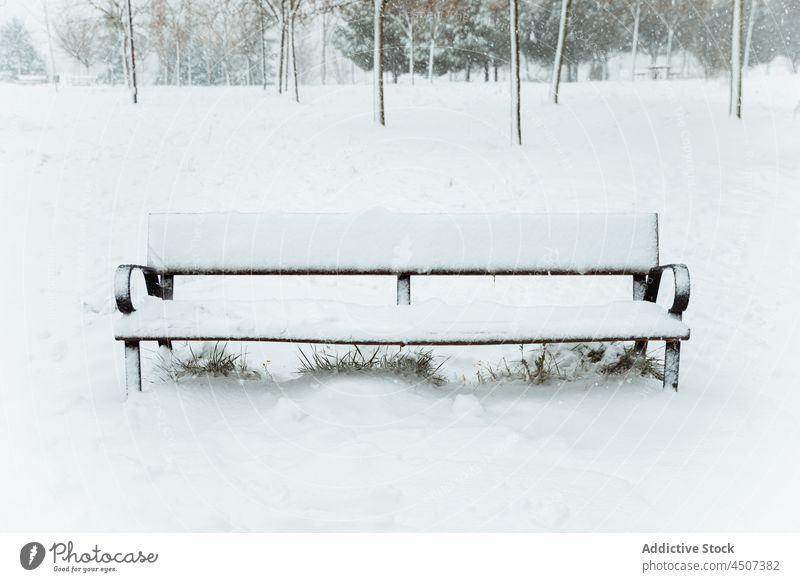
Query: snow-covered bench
{"x": 402, "y": 245}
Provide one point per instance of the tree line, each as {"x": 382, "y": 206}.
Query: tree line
{"x": 212, "y": 42}
{"x": 471, "y": 37}
{"x": 229, "y": 42}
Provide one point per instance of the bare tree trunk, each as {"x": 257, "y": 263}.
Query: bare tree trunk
{"x": 294, "y": 58}
{"x": 189, "y": 61}
{"x": 379, "y": 113}
{"x": 684, "y": 62}
{"x": 516, "y": 128}
{"x": 736, "y": 59}
{"x": 635, "y": 42}
{"x": 432, "y": 46}
{"x": 431, "y": 50}
{"x": 559, "y": 60}
{"x": 225, "y": 51}
{"x": 670, "y": 36}
{"x": 749, "y": 38}
{"x": 134, "y": 90}
{"x": 53, "y": 72}
{"x": 177, "y": 62}
{"x": 410, "y": 20}
{"x": 281, "y": 56}
{"x": 324, "y": 47}
{"x": 263, "y": 52}
{"x": 672, "y": 21}
{"x": 287, "y": 59}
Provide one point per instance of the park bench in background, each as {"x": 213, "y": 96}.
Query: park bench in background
{"x": 402, "y": 245}
{"x": 80, "y": 80}
{"x": 32, "y": 79}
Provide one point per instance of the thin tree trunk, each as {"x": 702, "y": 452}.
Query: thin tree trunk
{"x": 378, "y": 111}
{"x": 562, "y": 34}
{"x": 281, "y": 57}
{"x": 410, "y": 20}
{"x": 671, "y": 22}
{"x": 684, "y": 62}
{"x": 225, "y": 52}
{"x": 263, "y": 52}
{"x": 50, "y": 46}
{"x": 516, "y": 128}
{"x": 635, "y": 42}
{"x": 294, "y": 59}
{"x": 736, "y": 59}
{"x": 670, "y": 36}
{"x": 287, "y": 59}
{"x": 177, "y": 62}
{"x": 324, "y": 47}
{"x": 431, "y": 50}
{"x": 189, "y": 61}
{"x": 134, "y": 91}
{"x": 432, "y": 45}
{"x": 749, "y": 39}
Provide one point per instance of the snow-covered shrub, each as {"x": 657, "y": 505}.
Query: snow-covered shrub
{"x": 210, "y": 360}
{"x": 540, "y": 366}
{"x": 566, "y": 363}
{"x": 622, "y": 360}
{"x": 419, "y": 363}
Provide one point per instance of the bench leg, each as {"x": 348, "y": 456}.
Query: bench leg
{"x": 672, "y": 360}
{"x": 133, "y": 367}
{"x": 639, "y": 288}
{"x": 167, "y": 293}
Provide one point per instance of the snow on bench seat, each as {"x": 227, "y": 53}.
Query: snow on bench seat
{"x": 425, "y": 323}
{"x": 383, "y": 242}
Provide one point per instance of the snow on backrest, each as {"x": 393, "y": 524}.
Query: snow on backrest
{"x": 382, "y": 242}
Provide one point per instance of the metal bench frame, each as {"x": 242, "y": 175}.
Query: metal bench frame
{"x": 645, "y": 288}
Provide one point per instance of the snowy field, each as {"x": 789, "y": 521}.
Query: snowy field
{"x": 79, "y": 171}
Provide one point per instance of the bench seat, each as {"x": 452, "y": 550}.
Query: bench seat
{"x": 429, "y": 322}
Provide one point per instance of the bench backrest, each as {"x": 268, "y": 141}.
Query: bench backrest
{"x": 385, "y": 243}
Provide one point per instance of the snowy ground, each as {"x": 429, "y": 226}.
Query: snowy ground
{"x": 80, "y": 170}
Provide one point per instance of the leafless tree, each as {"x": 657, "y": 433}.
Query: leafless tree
{"x": 736, "y": 58}
{"x": 516, "y": 128}
{"x": 559, "y": 58}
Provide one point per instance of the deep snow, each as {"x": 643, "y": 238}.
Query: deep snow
{"x": 79, "y": 171}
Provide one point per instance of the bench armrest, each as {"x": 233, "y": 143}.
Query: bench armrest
{"x": 122, "y": 285}
{"x": 682, "y": 286}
